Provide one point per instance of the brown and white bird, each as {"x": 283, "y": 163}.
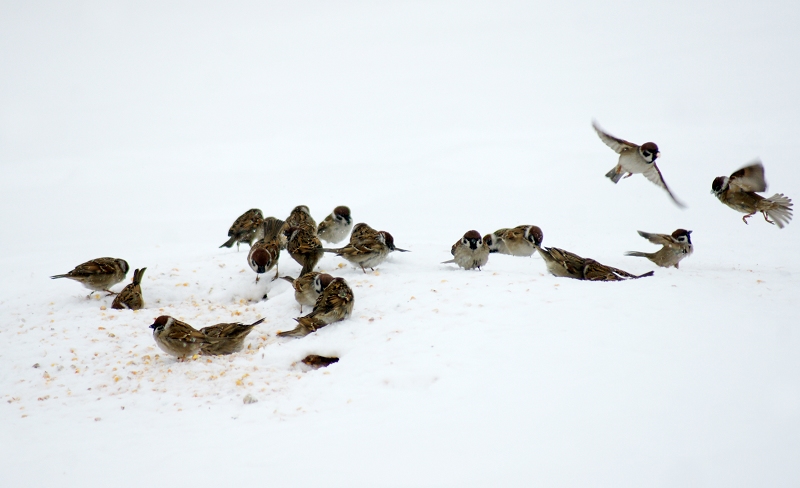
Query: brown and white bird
{"x": 368, "y": 251}
{"x": 334, "y": 304}
{"x": 674, "y": 248}
{"x": 519, "y": 241}
{"x": 308, "y": 287}
{"x": 178, "y": 338}
{"x": 98, "y": 274}
{"x": 246, "y": 228}
{"x": 389, "y": 240}
{"x": 316, "y": 361}
{"x": 635, "y": 159}
{"x": 335, "y": 227}
{"x": 131, "y": 296}
{"x": 231, "y": 337}
{"x": 263, "y": 256}
{"x": 304, "y": 246}
{"x": 299, "y": 216}
{"x": 565, "y": 264}
{"x": 470, "y": 252}
{"x": 738, "y": 191}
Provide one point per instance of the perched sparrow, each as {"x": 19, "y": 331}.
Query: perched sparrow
{"x": 245, "y": 229}
{"x": 675, "y": 247}
{"x": 389, "y": 240}
{"x": 470, "y": 252}
{"x": 369, "y": 251}
{"x": 317, "y": 362}
{"x": 334, "y": 304}
{"x": 335, "y": 227}
{"x": 131, "y": 296}
{"x": 231, "y": 337}
{"x": 569, "y": 265}
{"x": 263, "y": 256}
{"x": 362, "y": 231}
{"x": 98, "y": 274}
{"x": 178, "y": 338}
{"x": 300, "y": 216}
{"x": 308, "y": 287}
{"x": 738, "y": 191}
{"x": 634, "y": 159}
{"x": 304, "y": 246}
{"x": 518, "y": 241}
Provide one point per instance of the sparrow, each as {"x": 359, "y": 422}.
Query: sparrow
{"x": 299, "y": 215}
{"x": 674, "y": 248}
{"x": 263, "y": 256}
{"x": 389, "y": 240}
{"x": 131, "y": 296}
{"x": 368, "y": 251}
{"x": 738, "y": 191}
{"x": 634, "y": 159}
{"x": 362, "y": 231}
{"x": 317, "y": 362}
{"x": 231, "y": 337}
{"x": 245, "y": 229}
{"x": 178, "y": 338}
{"x": 334, "y": 304}
{"x": 518, "y": 241}
{"x": 308, "y": 287}
{"x": 335, "y": 227}
{"x": 304, "y": 246}
{"x": 470, "y": 252}
{"x": 565, "y": 264}
{"x": 98, "y": 274}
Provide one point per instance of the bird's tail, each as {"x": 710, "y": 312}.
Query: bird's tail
{"x": 615, "y": 175}
{"x": 137, "y": 276}
{"x": 301, "y": 330}
{"x": 639, "y": 254}
{"x": 229, "y": 242}
{"x": 59, "y": 276}
{"x": 288, "y": 278}
{"x": 779, "y": 209}
{"x": 448, "y": 262}
{"x": 271, "y": 227}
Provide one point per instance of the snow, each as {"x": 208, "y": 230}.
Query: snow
{"x": 142, "y": 131}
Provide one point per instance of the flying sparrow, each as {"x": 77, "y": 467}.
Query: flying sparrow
{"x": 263, "y": 256}
{"x": 635, "y": 159}
{"x": 231, "y": 337}
{"x": 738, "y": 191}
{"x": 304, "y": 246}
{"x": 518, "y": 241}
{"x": 367, "y": 252}
{"x": 98, "y": 274}
{"x": 308, "y": 287}
{"x": 470, "y": 252}
{"x": 674, "y": 248}
{"x": 335, "y": 227}
{"x": 334, "y": 304}
{"x": 178, "y": 338}
{"x": 246, "y": 228}
{"x": 131, "y": 296}
{"x": 565, "y": 264}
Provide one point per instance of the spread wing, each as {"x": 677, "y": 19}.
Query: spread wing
{"x": 618, "y": 145}
{"x": 750, "y": 178}
{"x": 661, "y": 239}
{"x": 654, "y": 175}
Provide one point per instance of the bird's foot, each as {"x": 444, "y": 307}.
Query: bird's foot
{"x": 766, "y": 218}
{"x": 744, "y": 219}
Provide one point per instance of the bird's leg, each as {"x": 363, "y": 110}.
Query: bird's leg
{"x": 765, "y": 218}
{"x": 363, "y": 269}
{"x": 276, "y": 273}
{"x": 110, "y": 293}
{"x": 89, "y": 295}
{"x": 744, "y": 219}
{"x": 257, "y": 276}
{"x": 627, "y": 175}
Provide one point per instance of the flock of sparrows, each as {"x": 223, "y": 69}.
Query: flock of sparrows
{"x": 332, "y": 298}
{"x": 738, "y": 191}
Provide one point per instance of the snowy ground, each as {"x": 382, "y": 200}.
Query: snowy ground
{"x": 141, "y": 132}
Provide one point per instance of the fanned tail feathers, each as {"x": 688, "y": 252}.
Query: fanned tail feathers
{"x": 780, "y": 210}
